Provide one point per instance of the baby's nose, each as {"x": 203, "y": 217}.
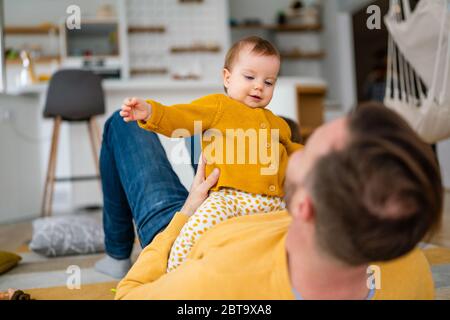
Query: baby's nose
{"x": 258, "y": 86}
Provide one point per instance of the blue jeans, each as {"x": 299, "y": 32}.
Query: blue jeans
{"x": 138, "y": 184}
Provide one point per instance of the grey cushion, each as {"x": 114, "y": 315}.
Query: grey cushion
{"x": 67, "y": 235}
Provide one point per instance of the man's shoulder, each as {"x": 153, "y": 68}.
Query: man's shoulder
{"x": 407, "y": 277}
{"x": 244, "y": 257}
{"x": 246, "y": 233}
{"x": 249, "y": 223}
{"x": 260, "y": 220}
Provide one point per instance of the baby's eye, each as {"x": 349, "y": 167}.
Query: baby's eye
{"x": 268, "y": 83}
{"x": 249, "y": 77}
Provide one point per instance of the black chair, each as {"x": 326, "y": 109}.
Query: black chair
{"x": 74, "y": 96}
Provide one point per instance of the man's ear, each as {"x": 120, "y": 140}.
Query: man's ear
{"x": 226, "y": 77}
{"x": 307, "y": 211}
{"x": 304, "y": 209}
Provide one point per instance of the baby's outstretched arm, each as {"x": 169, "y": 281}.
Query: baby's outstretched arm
{"x": 181, "y": 120}
{"x": 134, "y": 109}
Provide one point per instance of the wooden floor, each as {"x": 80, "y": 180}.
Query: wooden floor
{"x": 12, "y": 236}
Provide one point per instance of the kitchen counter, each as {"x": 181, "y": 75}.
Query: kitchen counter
{"x": 165, "y": 83}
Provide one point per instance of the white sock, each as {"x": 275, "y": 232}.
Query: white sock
{"x": 113, "y": 267}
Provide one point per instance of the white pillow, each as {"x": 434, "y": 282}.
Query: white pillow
{"x": 67, "y": 235}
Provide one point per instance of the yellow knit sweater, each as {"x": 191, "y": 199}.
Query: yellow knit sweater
{"x": 250, "y": 146}
{"x": 245, "y": 258}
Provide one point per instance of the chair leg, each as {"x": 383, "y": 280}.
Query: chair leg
{"x": 50, "y": 178}
{"x": 93, "y": 137}
{"x": 97, "y": 132}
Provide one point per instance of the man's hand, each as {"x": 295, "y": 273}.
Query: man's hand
{"x": 134, "y": 109}
{"x": 200, "y": 187}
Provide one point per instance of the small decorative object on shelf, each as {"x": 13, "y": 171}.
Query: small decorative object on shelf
{"x": 27, "y": 75}
{"x": 281, "y": 18}
{"x": 12, "y": 54}
{"x": 14, "y": 294}
{"x": 233, "y": 22}
{"x": 301, "y": 14}
{"x": 106, "y": 11}
{"x": 252, "y": 22}
{"x": 297, "y": 5}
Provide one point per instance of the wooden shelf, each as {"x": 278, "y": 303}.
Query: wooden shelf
{"x": 148, "y": 29}
{"x": 149, "y": 71}
{"x": 29, "y": 30}
{"x": 303, "y": 55}
{"x": 281, "y": 28}
{"x": 195, "y": 49}
{"x": 186, "y": 77}
{"x": 48, "y": 59}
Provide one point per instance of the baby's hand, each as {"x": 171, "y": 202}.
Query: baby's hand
{"x": 134, "y": 109}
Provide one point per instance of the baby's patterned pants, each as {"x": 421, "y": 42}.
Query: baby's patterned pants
{"x": 219, "y": 206}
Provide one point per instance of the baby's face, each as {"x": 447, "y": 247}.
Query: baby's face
{"x": 252, "y": 78}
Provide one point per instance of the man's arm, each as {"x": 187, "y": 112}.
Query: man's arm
{"x": 141, "y": 280}
{"x": 147, "y": 279}
{"x": 166, "y": 119}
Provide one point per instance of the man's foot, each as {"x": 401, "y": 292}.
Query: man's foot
{"x": 113, "y": 267}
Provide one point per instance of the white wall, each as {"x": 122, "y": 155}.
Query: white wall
{"x": 33, "y": 12}
{"x": 444, "y": 160}
{"x": 337, "y": 66}
{"x": 351, "y": 5}
{"x": 261, "y": 9}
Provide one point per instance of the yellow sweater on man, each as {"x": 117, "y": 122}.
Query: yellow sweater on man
{"x": 245, "y": 258}
{"x": 251, "y": 157}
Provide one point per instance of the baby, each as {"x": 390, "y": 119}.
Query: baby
{"x": 251, "y": 174}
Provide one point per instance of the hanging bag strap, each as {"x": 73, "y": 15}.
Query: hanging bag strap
{"x": 444, "y": 92}
{"x": 389, "y": 69}
{"x": 410, "y": 92}
{"x": 400, "y": 58}
{"x": 406, "y": 9}
{"x": 432, "y": 89}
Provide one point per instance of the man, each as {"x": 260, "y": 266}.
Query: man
{"x": 361, "y": 195}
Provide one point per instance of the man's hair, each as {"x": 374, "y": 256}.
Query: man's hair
{"x": 257, "y": 45}
{"x": 378, "y": 196}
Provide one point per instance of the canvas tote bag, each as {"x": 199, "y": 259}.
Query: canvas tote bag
{"x": 427, "y": 113}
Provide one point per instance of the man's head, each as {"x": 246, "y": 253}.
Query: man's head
{"x": 365, "y": 188}
{"x": 250, "y": 71}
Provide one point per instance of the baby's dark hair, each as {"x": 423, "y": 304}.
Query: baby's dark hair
{"x": 295, "y": 130}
